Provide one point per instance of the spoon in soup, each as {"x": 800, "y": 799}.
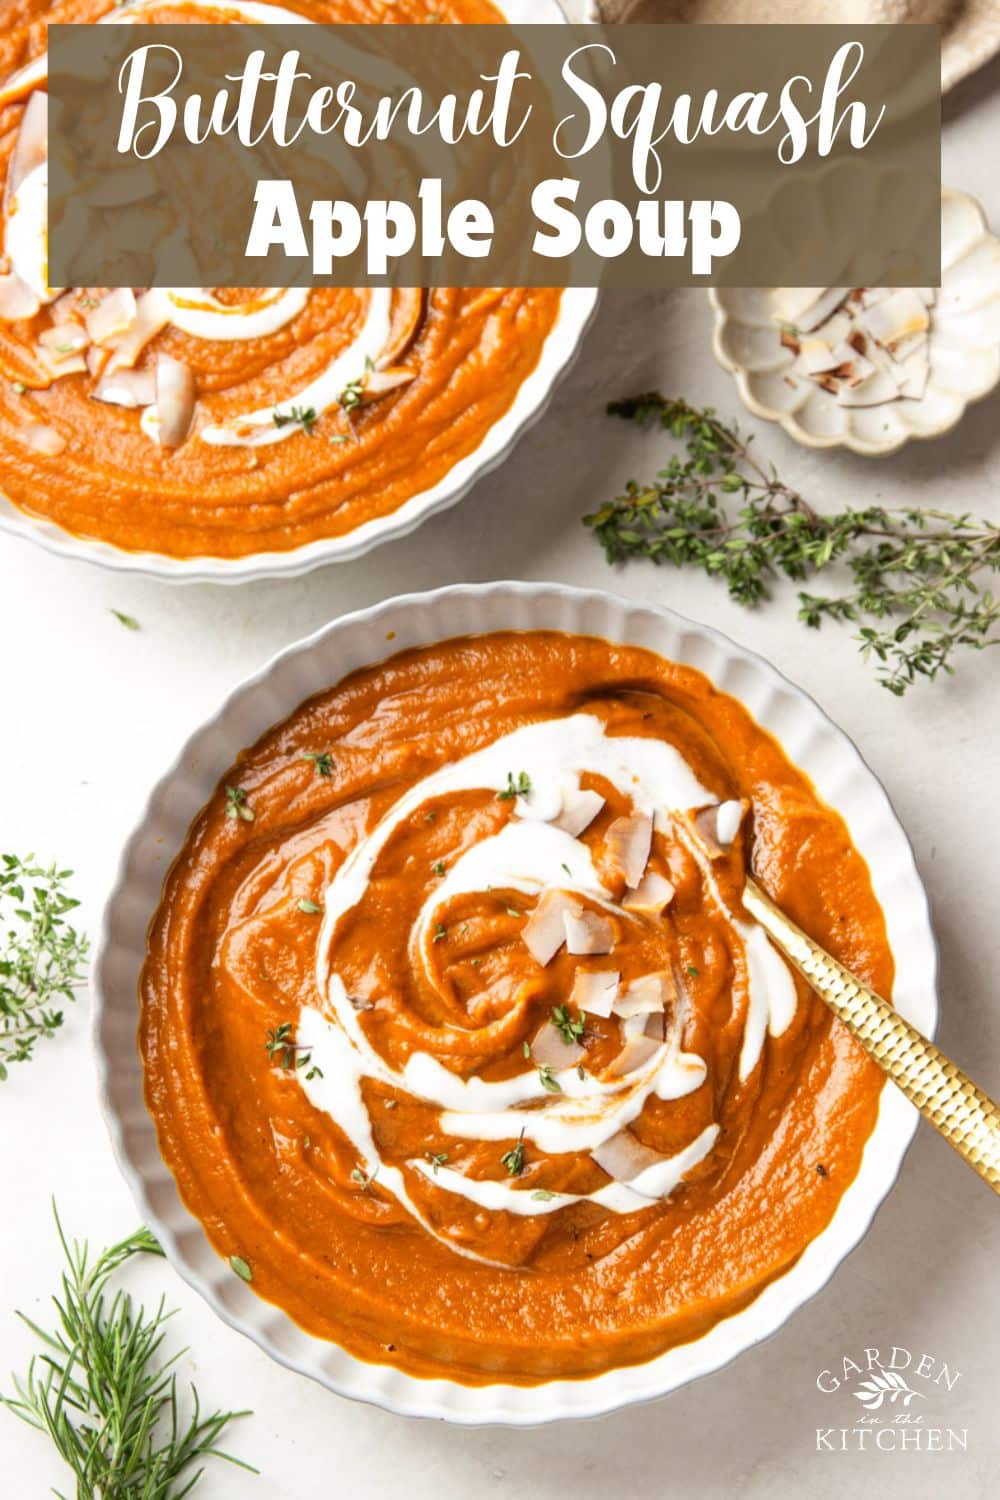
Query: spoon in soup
{"x": 967, "y": 1118}
{"x": 958, "y": 1109}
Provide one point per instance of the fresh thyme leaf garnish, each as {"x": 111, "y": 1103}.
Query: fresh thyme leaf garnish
{"x": 285, "y": 1052}
{"x": 513, "y": 1160}
{"x": 363, "y": 1178}
{"x": 544, "y": 1195}
{"x": 517, "y": 786}
{"x": 437, "y": 1159}
{"x": 526, "y": 1048}
{"x": 437, "y": 868}
{"x": 440, "y": 931}
{"x": 241, "y": 1267}
{"x": 237, "y": 805}
{"x": 570, "y": 1028}
{"x": 310, "y": 907}
{"x": 129, "y": 621}
{"x": 323, "y": 761}
{"x": 917, "y": 576}
{"x": 42, "y": 960}
{"x": 303, "y": 416}
{"x": 353, "y": 394}
{"x": 100, "y": 1391}
{"x": 690, "y": 969}
{"x": 512, "y": 911}
{"x": 547, "y": 1080}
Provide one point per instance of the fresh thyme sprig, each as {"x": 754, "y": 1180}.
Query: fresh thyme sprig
{"x": 42, "y": 960}
{"x": 917, "y": 588}
{"x": 102, "y": 1393}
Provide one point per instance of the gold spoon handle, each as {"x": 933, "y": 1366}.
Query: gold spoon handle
{"x": 958, "y": 1110}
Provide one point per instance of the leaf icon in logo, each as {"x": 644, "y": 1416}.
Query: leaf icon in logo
{"x": 888, "y": 1385}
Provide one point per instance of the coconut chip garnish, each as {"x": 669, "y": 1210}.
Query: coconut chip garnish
{"x": 864, "y": 345}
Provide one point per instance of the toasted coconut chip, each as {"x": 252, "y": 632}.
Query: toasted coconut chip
{"x": 17, "y": 300}
{"x": 112, "y": 317}
{"x": 408, "y": 308}
{"x": 64, "y": 339}
{"x": 549, "y": 1050}
{"x": 544, "y": 933}
{"x": 65, "y": 310}
{"x": 43, "y": 439}
{"x": 900, "y": 315}
{"x": 623, "y": 1157}
{"x": 645, "y": 996}
{"x": 128, "y": 388}
{"x": 594, "y": 991}
{"x": 56, "y": 366}
{"x": 381, "y": 382}
{"x": 651, "y": 896}
{"x": 152, "y": 315}
{"x": 639, "y": 1045}
{"x": 587, "y": 932}
{"x": 579, "y": 810}
{"x": 175, "y": 398}
{"x": 879, "y": 387}
{"x": 629, "y": 840}
{"x": 31, "y": 148}
{"x": 131, "y": 185}
{"x": 807, "y": 307}
{"x": 33, "y": 76}
{"x": 728, "y": 817}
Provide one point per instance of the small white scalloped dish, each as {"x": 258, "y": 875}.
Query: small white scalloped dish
{"x": 964, "y": 348}
{"x": 559, "y": 351}
{"x": 357, "y": 640}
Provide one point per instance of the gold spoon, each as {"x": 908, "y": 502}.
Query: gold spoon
{"x": 966, "y": 1117}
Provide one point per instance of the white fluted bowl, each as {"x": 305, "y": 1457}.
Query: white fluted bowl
{"x": 322, "y": 660}
{"x": 558, "y": 354}
{"x": 964, "y": 348}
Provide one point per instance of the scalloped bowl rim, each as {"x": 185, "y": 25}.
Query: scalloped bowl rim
{"x": 789, "y": 422}
{"x": 361, "y": 638}
{"x": 560, "y": 349}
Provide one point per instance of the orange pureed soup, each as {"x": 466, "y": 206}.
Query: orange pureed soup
{"x": 226, "y": 423}
{"x": 456, "y": 1032}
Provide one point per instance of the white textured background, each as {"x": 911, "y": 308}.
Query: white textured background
{"x": 92, "y": 713}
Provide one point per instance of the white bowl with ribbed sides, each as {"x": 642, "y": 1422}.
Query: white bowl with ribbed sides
{"x": 367, "y": 637}
{"x": 531, "y": 399}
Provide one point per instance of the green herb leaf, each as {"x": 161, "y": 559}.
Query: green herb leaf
{"x": 303, "y": 416}
{"x": 323, "y": 761}
{"x": 440, "y": 931}
{"x": 241, "y": 1268}
{"x": 571, "y": 1028}
{"x": 310, "y": 907}
{"x": 128, "y": 621}
{"x": 517, "y": 786}
{"x": 437, "y": 1159}
{"x": 543, "y": 1195}
{"x": 513, "y": 1160}
{"x": 547, "y": 1080}
{"x": 42, "y": 959}
{"x": 918, "y": 593}
{"x": 437, "y": 868}
{"x": 237, "y": 805}
{"x": 104, "y": 1395}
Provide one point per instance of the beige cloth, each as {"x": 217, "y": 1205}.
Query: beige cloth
{"x": 971, "y": 27}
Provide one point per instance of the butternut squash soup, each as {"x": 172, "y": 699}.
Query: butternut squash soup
{"x": 457, "y": 1036}
{"x": 230, "y": 422}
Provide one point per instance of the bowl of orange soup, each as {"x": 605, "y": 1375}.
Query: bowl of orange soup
{"x": 442, "y": 1056}
{"x": 224, "y": 434}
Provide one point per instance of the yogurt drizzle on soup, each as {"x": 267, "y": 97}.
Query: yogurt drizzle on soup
{"x": 455, "y": 1029}
{"x": 225, "y": 422}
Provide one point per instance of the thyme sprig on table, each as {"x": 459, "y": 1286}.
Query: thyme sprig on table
{"x": 101, "y": 1391}
{"x": 42, "y": 959}
{"x": 916, "y": 575}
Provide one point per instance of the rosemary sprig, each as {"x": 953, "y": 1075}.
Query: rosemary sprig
{"x": 101, "y": 1392}
{"x": 41, "y": 958}
{"x": 917, "y": 576}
